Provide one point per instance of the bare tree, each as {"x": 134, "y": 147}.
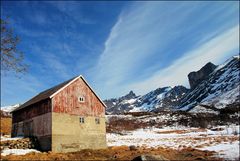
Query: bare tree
{"x": 11, "y": 57}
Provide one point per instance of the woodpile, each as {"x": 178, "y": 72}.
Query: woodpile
{"x": 24, "y": 143}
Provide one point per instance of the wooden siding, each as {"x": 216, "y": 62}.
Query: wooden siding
{"x": 39, "y": 126}
{"x": 32, "y": 111}
{"x": 66, "y": 101}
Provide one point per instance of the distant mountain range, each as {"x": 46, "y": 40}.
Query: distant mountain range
{"x": 9, "y": 108}
{"x": 166, "y": 97}
{"x": 212, "y": 87}
{"x": 5, "y": 111}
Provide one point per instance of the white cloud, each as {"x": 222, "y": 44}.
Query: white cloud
{"x": 146, "y": 32}
{"x": 216, "y": 50}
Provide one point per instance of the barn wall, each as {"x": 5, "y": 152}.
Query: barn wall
{"x": 66, "y": 101}
{"x": 34, "y": 110}
{"x": 35, "y": 120}
{"x": 68, "y": 134}
{"x": 39, "y": 126}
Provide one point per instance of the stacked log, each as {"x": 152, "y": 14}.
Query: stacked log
{"x": 24, "y": 143}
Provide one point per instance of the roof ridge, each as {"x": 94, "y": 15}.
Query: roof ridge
{"x": 44, "y": 94}
{"x": 50, "y": 92}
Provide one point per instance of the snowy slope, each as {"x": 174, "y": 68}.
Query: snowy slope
{"x": 220, "y": 89}
{"x": 166, "y": 97}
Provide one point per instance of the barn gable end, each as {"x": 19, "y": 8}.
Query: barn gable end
{"x": 67, "y": 100}
{"x": 79, "y": 111}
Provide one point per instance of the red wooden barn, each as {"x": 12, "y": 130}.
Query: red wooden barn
{"x": 67, "y": 117}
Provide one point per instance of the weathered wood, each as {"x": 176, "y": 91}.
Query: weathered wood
{"x": 67, "y": 101}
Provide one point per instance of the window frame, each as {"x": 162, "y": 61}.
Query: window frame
{"x": 81, "y": 99}
{"x": 81, "y": 120}
{"x": 97, "y": 120}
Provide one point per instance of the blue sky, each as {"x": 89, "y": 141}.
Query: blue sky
{"x": 117, "y": 46}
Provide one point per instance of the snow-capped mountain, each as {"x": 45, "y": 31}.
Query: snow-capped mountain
{"x": 213, "y": 87}
{"x": 122, "y": 104}
{"x": 5, "y": 110}
{"x": 219, "y": 89}
{"x": 166, "y": 97}
{"x": 9, "y": 108}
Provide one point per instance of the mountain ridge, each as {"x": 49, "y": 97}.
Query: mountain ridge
{"x": 218, "y": 86}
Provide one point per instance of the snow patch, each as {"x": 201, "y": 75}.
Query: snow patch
{"x": 229, "y": 151}
{"x": 201, "y": 109}
{"x": 4, "y": 138}
{"x": 17, "y": 151}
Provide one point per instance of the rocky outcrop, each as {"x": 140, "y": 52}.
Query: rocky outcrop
{"x": 197, "y": 77}
{"x": 130, "y": 95}
{"x": 219, "y": 89}
{"x": 211, "y": 86}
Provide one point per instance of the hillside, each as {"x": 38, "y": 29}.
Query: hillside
{"x": 218, "y": 90}
{"x": 159, "y": 99}
{"x": 212, "y": 88}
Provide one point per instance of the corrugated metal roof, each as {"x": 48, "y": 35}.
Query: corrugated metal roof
{"x": 44, "y": 95}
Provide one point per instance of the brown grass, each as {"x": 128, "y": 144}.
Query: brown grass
{"x": 182, "y": 131}
{"x": 118, "y": 153}
{"x": 6, "y": 125}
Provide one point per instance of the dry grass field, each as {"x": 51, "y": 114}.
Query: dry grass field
{"x": 118, "y": 153}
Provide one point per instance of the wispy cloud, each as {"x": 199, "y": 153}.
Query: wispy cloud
{"x": 72, "y": 10}
{"x": 147, "y": 45}
{"x": 52, "y": 63}
{"x": 150, "y": 36}
{"x": 22, "y": 30}
{"x": 55, "y": 65}
{"x": 17, "y": 90}
{"x": 215, "y": 50}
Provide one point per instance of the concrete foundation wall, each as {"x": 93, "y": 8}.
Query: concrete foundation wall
{"x": 69, "y": 135}
{"x": 39, "y": 126}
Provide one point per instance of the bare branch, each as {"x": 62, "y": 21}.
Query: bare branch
{"x": 11, "y": 57}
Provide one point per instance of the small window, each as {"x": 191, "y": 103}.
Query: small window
{"x": 81, "y": 120}
{"x": 97, "y": 120}
{"x": 81, "y": 99}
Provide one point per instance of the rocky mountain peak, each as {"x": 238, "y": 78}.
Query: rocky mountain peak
{"x": 219, "y": 89}
{"x": 197, "y": 77}
{"x": 212, "y": 86}
{"x": 161, "y": 90}
{"x": 130, "y": 95}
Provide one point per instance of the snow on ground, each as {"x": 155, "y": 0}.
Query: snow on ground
{"x": 7, "y": 151}
{"x": 220, "y": 141}
{"x": 228, "y": 151}
{"x": 201, "y": 109}
{"x": 17, "y": 151}
{"x": 5, "y": 138}
{"x": 135, "y": 109}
